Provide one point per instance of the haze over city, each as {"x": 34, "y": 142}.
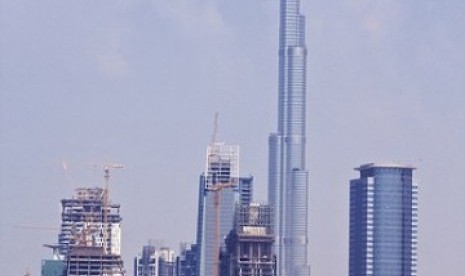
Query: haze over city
{"x": 85, "y": 82}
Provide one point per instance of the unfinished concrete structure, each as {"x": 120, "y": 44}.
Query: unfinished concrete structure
{"x": 89, "y": 242}
{"x": 92, "y": 261}
{"x": 249, "y": 245}
{"x": 84, "y": 220}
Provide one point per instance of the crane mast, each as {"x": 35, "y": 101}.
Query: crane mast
{"x": 107, "y": 167}
{"x": 216, "y": 184}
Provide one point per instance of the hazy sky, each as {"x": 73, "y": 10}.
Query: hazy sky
{"x": 138, "y": 82}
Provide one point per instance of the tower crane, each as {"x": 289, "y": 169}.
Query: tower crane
{"x": 216, "y": 188}
{"x": 215, "y": 185}
{"x": 36, "y": 227}
{"x": 107, "y": 167}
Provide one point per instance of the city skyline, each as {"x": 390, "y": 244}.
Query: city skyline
{"x": 88, "y": 82}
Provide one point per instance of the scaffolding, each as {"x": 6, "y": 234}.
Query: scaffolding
{"x": 249, "y": 244}
{"x": 85, "y": 219}
{"x": 222, "y": 164}
{"x": 89, "y": 241}
{"x": 90, "y": 236}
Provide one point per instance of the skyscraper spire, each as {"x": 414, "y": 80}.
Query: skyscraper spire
{"x": 288, "y": 175}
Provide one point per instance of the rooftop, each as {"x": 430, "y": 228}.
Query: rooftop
{"x": 384, "y": 165}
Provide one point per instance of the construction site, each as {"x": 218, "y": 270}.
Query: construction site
{"x": 234, "y": 235}
{"x": 249, "y": 245}
{"x": 89, "y": 239}
{"x": 86, "y": 221}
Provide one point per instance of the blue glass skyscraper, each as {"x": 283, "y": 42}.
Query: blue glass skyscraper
{"x": 288, "y": 175}
{"x": 222, "y": 168}
{"x": 383, "y": 221}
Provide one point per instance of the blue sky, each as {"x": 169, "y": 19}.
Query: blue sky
{"x": 138, "y": 82}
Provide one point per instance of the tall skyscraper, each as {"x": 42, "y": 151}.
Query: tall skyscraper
{"x": 219, "y": 183}
{"x": 383, "y": 221}
{"x": 221, "y": 186}
{"x": 288, "y": 175}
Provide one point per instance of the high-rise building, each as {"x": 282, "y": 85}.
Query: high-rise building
{"x": 219, "y": 187}
{"x": 89, "y": 242}
{"x": 383, "y": 221}
{"x": 248, "y": 249}
{"x": 155, "y": 262}
{"x": 146, "y": 263}
{"x": 246, "y": 190}
{"x": 167, "y": 262}
{"x": 219, "y": 184}
{"x": 187, "y": 260}
{"x": 84, "y": 220}
{"x": 288, "y": 174}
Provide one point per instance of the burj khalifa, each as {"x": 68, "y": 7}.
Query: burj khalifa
{"x": 287, "y": 171}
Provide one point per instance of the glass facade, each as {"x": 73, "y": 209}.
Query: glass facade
{"x": 53, "y": 268}
{"x": 187, "y": 261}
{"x": 222, "y": 169}
{"x": 242, "y": 194}
{"x": 287, "y": 172}
{"x": 246, "y": 190}
{"x": 383, "y": 221}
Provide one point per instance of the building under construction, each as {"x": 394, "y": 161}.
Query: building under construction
{"x": 86, "y": 219}
{"x": 218, "y": 196}
{"x": 92, "y": 261}
{"x": 89, "y": 241}
{"x": 90, "y": 234}
{"x": 249, "y": 245}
